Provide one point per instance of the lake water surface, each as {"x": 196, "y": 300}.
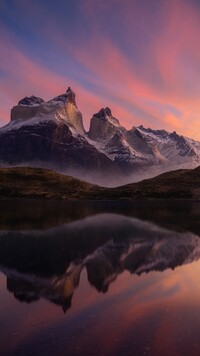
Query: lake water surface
{"x": 99, "y": 278}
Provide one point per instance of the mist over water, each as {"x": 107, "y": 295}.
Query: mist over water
{"x": 120, "y": 278}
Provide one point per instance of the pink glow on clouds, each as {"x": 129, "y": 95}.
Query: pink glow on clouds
{"x": 29, "y": 78}
{"x": 165, "y": 95}
{"x": 127, "y": 88}
{"x": 112, "y": 67}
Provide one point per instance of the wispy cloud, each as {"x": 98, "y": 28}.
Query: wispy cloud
{"x": 142, "y": 60}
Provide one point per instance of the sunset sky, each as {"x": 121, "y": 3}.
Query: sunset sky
{"x": 140, "y": 58}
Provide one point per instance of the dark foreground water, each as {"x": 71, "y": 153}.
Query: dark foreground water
{"x": 99, "y": 278}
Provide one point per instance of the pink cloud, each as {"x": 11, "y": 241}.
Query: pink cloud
{"x": 172, "y": 56}
{"x": 24, "y": 77}
{"x": 175, "y": 52}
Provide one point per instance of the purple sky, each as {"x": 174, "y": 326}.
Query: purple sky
{"x": 140, "y": 58}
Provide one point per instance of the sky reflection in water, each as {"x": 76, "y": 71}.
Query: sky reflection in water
{"x": 96, "y": 278}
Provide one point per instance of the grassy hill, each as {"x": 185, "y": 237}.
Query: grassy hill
{"x": 180, "y": 184}
{"x": 23, "y": 182}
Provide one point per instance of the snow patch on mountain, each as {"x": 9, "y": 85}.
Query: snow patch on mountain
{"x": 140, "y": 151}
{"x": 32, "y": 111}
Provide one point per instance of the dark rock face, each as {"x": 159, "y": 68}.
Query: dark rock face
{"x": 24, "y": 112}
{"x": 60, "y": 98}
{"x": 31, "y": 101}
{"x": 103, "y": 113}
{"x": 141, "y": 150}
{"x": 27, "y": 108}
{"x": 53, "y": 146}
{"x": 51, "y": 135}
{"x": 137, "y": 141}
{"x": 54, "y": 138}
{"x": 71, "y": 96}
{"x": 99, "y": 129}
{"x": 102, "y": 125}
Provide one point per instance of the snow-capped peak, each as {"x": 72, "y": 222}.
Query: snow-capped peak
{"x": 68, "y": 96}
{"x": 61, "y": 109}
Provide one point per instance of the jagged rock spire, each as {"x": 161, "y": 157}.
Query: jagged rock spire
{"x": 103, "y": 113}
{"x": 103, "y": 125}
{"x": 71, "y": 96}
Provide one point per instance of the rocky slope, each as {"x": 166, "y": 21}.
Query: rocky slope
{"x": 141, "y": 149}
{"x": 51, "y": 135}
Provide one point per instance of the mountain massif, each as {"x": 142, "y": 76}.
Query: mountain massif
{"x": 51, "y": 135}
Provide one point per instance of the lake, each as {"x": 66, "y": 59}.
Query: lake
{"x": 99, "y": 278}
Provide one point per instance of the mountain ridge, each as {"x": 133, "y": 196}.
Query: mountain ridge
{"x": 23, "y": 182}
{"x": 51, "y": 135}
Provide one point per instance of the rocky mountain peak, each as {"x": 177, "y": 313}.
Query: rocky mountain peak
{"x": 71, "y": 96}
{"x": 103, "y": 125}
{"x": 62, "y": 108}
{"x": 67, "y": 97}
{"x": 62, "y": 98}
{"x": 103, "y": 113}
{"x": 108, "y": 111}
{"x": 31, "y": 101}
{"x": 58, "y": 120}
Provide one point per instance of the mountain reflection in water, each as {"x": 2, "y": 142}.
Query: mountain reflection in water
{"x": 48, "y": 249}
{"x": 48, "y": 263}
